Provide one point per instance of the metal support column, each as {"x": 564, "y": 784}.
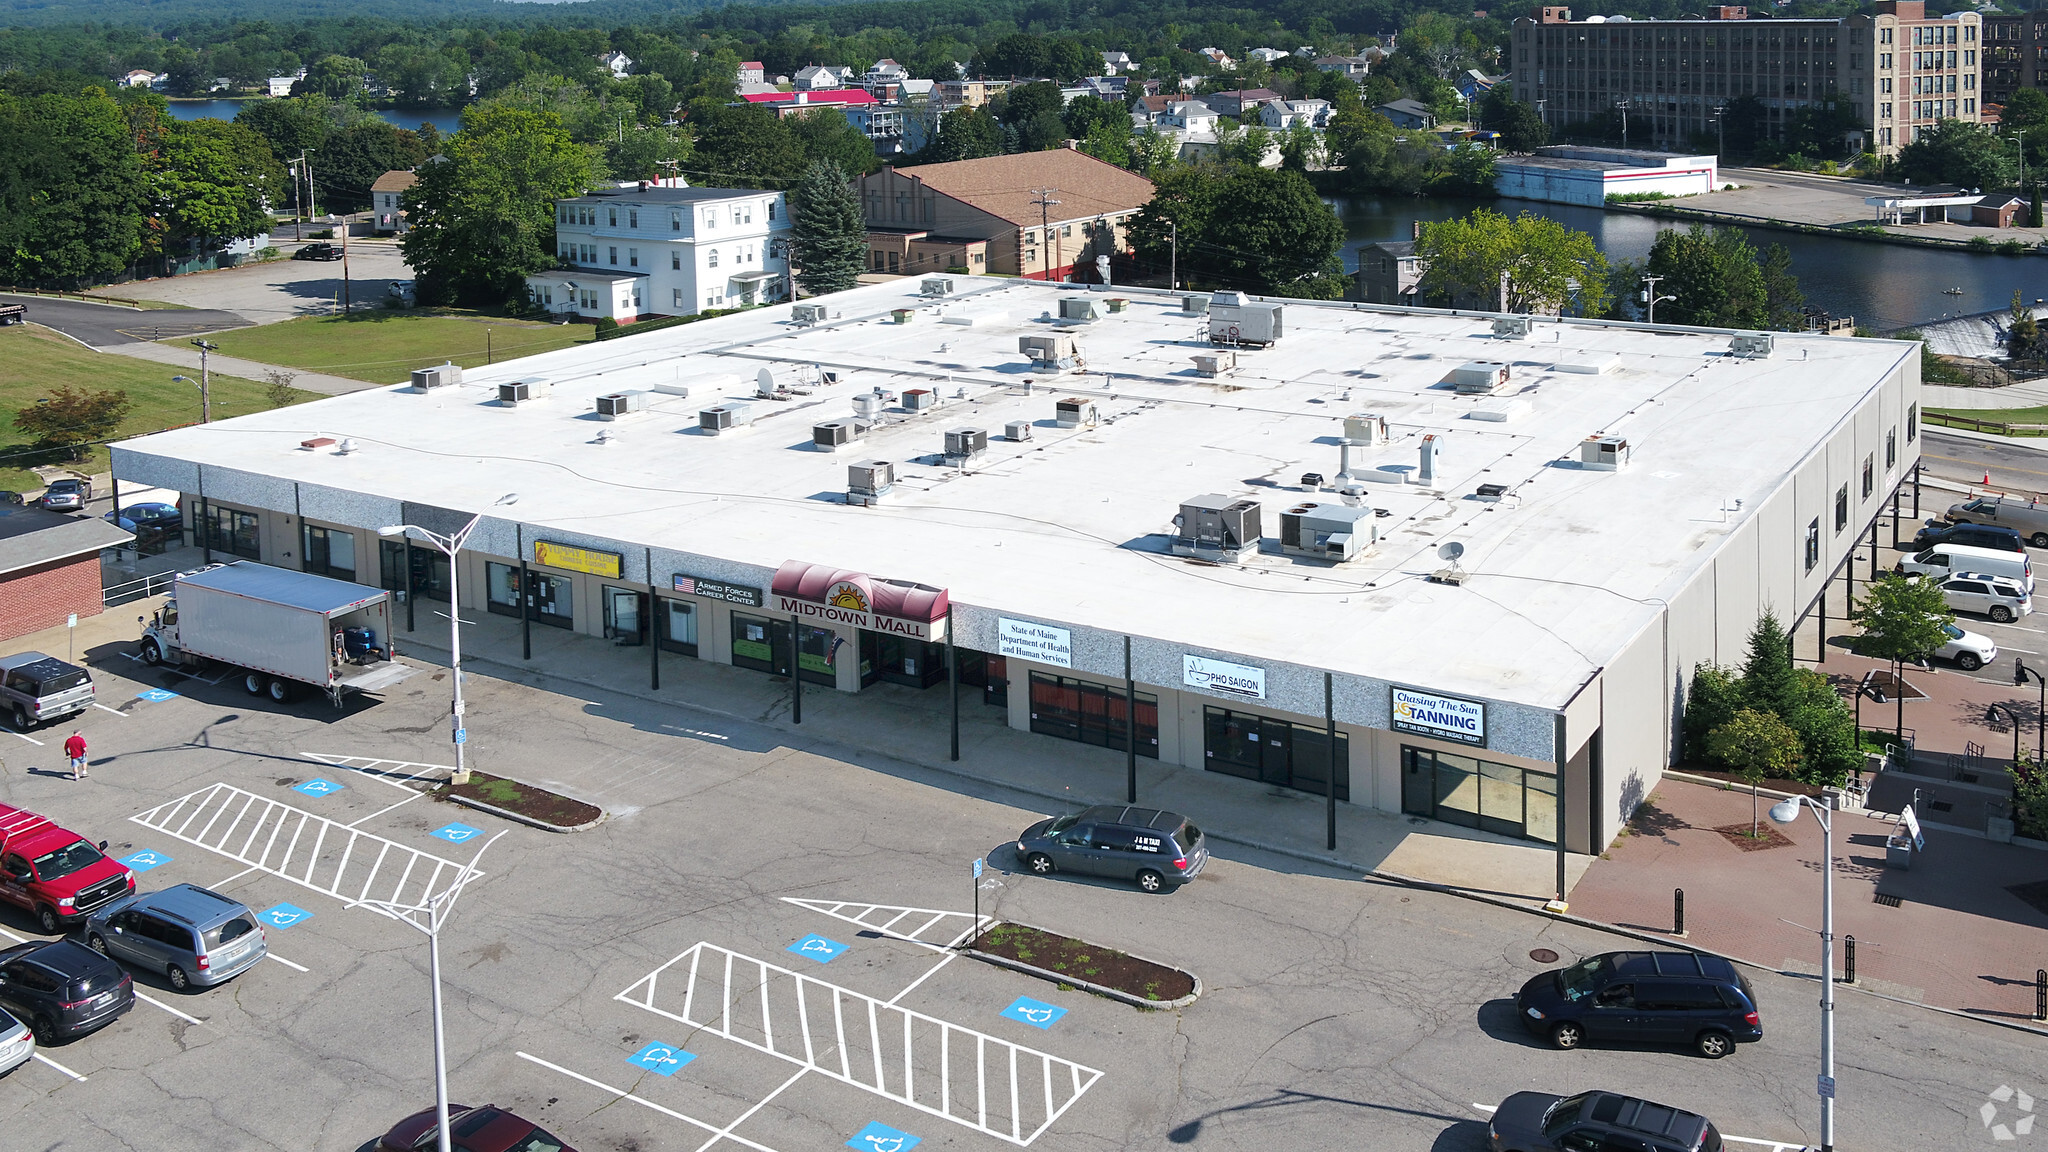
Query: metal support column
{"x": 953, "y": 680}
{"x": 1330, "y": 781}
{"x": 1130, "y": 729}
{"x": 411, "y": 593}
{"x": 1873, "y": 547}
{"x": 1560, "y": 754}
{"x": 203, "y": 528}
{"x": 653, "y": 638}
{"x": 1895, "y": 518}
{"x": 525, "y": 596}
{"x": 796, "y": 678}
{"x": 1916, "y": 491}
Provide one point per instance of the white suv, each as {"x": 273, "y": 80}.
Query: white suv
{"x": 1969, "y": 650}
{"x": 1995, "y": 596}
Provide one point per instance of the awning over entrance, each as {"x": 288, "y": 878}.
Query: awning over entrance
{"x": 836, "y": 595}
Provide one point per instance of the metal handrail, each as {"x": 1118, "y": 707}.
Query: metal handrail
{"x": 139, "y": 589}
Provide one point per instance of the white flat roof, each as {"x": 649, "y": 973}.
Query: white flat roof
{"x": 1071, "y": 525}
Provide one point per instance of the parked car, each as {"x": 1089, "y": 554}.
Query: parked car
{"x": 2027, "y": 518}
{"x": 1597, "y": 1122}
{"x": 66, "y": 494}
{"x": 318, "y": 251}
{"x": 1945, "y": 560}
{"x": 1644, "y": 998}
{"x": 1145, "y": 845}
{"x": 486, "y": 1129}
{"x": 403, "y": 291}
{"x": 1975, "y": 535}
{"x": 62, "y": 988}
{"x": 7, "y": 497}
{"x": 1995, "y": 596}
{"x": 1968, "y": 650}
{"x": 17, "y": 1043}
{"x": 53, "y": 872}
{"x": 148, "y": 515}
{"x": 36, "y": 689}
{"x": 192, "y": 935}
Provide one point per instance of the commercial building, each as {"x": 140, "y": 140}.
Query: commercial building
{"x": 1236, "y": 558}
{"x": 1588, "y": 176}
{"x": 50, "y": 567}
{"x": 2015, "y": 53}
{"x": 635, "y": 252}
{"x": 1899, "y": 70}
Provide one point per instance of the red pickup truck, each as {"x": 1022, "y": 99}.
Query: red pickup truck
{"x": 55, "y": 873}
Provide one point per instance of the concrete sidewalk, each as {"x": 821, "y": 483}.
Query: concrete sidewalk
{"x": 186, "y": 357}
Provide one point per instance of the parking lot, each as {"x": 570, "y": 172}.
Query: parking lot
{"x": 751, "y": 952}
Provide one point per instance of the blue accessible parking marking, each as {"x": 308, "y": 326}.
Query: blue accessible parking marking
{"x": 156, "y": 695}
{"x": 879, "y": 1137}
{"x": 317, "y": 787}
{"x": 817, "y": 948}
{"x": 1036, "y": 1013}
{"x": 456, "y": 833}
{"x": 145, "y": 860}
{"x": 283, "y": 915}
{"x": 662, "y": 1058}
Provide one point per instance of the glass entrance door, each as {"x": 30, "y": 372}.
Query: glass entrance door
{"x": 762, "y": 645}
{"x": 550, "y": 599}
{"x": 1480, "y": 794}
{"x": 625, "y": 616}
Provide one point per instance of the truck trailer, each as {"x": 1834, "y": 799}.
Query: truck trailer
{"x": 280, "y": 629}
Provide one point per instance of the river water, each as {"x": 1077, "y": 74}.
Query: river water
{"x": 1883, "y": 286}
{"x": 446, "y": 119}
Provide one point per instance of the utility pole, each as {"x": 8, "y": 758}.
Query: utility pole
{"x": 1651, "y": 298}
{"x": 298, "y": 168}
{"x": 1720, "y": 133}
{"x": 1045, "y": 203}
{"x": 205, "y": 396}
{"x": 343, "y": 228}
{"x": 1622, "y": 106}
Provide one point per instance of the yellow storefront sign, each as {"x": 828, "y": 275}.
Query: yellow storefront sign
{"x": 606, "y": 564}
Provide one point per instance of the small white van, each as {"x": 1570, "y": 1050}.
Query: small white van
{"x": 1944, "y": 560}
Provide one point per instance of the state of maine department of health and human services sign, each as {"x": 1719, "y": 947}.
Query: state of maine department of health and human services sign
{"x": 1443, "y": 717}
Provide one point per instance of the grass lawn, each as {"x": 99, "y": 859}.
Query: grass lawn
{"x": 383, "y": 345}
{"x": 1997, "y": 415}
{"x": 34, "y": 361}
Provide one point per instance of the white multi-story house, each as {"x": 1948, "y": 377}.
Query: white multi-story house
{"x": 620, "y": 64}
{"x": 1115, "y": 62}
{"x": 822, "y": 77}
{"x": 642, "y": 251}
{"x": 1281, "y": 115}
{"x": 884, "y": 73}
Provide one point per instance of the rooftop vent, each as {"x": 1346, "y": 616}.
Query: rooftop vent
{"x": 964, "y": 444}
{"x": 439, "y": 376}
{"x": 1491, "y": 493}
{"x": 618, "y": 405}
{"x": 1078, "y": 308}
{"x": 937, "y": 286}
{"x": 805, "y": 315}
{"x": 1499, "y": 409}
{"x": 869, "y": 481}
{"x": 1365, "y": 429}
{"x": 520, "y": 391}
{"x": 1215, "y": 527}
{"x": 1195, "y": 303}
{"x": 867, "y": 404}
{"x": 1587, "y": 364}
{"x": 1075, "y": 412}
{"x": 920, "y": 399}
{"x": 1214, "y": 364}
{"x": 1751, "y": 345}
{"x": 316, "y": 442}
{"x": 1017, "y": 431}
{"x": 1479, "y": 378}
{"x": 1060, "y": 352}
{"x": 722, "y": 418}
{"x": 1333, "y": 532}
{"x": 1603, "y": 453}
{"x": 1511, "y": 328}
{"x": 833, "y": 435}
{"x": 1235, "y": 320}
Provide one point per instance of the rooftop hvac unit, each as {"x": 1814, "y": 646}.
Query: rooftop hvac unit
{"x": 1479, "y": 378}
{"x": 1218, "y": 528}
{"x": 920, "y": 399}
{"x": 1603, "y": 453}
{"x": 805, "y": 315}
{"x": 1511, "y": 327}
{"x": 833, "y": 435}
{"x": 1491, "y": 493}
{"x": 1214, "y": 364}
{"x": 1333, "y": 532}
{"x": 1058, "y": 352}
{"x": 439, "y": 376}
{"x": 1074, "y": 412}
{"x": 937, "y": 286}
{"x": 964, "y": 444}
{"x": 1746, "y": 345}
{"x": 1195, "y": 303}
{"x": 1078, "y": 308}
{"x": 723, "y": 418}
{"x": 1017, "y": 431}
{"x": 521, "y": 391}
{"x": 1235, "y": 319}
{"x": 1365, "y": 429}
{"x": 620, "y": 404}
{"x": 869, "y": 481}
{"x": 867, "y": 404}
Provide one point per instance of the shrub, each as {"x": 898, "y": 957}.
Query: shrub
{"x": 1980, "y": 244}
{"x": 1715, "y": 698}
{"x": 1829, "y": 168}
{"x": 606, "y": 324}
{"x": 269, "y": 254}
{"x": 2013, "y": 247}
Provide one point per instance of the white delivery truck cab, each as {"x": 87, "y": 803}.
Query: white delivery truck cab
{"x": 280, "y": 629}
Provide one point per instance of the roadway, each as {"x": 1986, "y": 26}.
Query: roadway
{"x": 1966, "y": 460}
{"x": 110, "y": 325}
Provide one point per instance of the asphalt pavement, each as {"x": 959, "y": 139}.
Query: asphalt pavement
{"x": 2012, "y": 467}
{"x": 108, "y": 325}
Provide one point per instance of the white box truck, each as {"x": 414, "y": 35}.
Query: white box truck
{"x": 280, "y": 629}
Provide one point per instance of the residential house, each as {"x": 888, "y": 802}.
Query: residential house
{"x": 885, "y": 74}
{"x": 1406, "y": 113}
{"x": 1115, "y": 88}
{"x": 644, "y": 250}
{"x": 787, "y": 104}
{"x": 387, "y": 201}
{"x": 1187, "y": 116}
{"x": 1239, "y": 101}
{"x": 822, "y": 77}
{"x": 1217, "y": 57}
{"x": 1147, "y": 108}
{"x": 141, "y": 78}
{"x": 282, "y": 85}
{"x": 1472, "y": 84}
{"x": 965, "y": 93}
{"x": 620, "y": 64}
{"x": 1353, "y": 67}
{"x": 1266, "y": 55}
{"x": 1389, "y": 272}
{"x": 1281, "y": 115}
{"x": 985, "y": 215}
{"x": 751, "y": 72}
{"x": 1116, "y": 62}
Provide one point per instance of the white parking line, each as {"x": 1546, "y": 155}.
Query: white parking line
{"x": 60, "y": 1068}
{"x": 115, "y": 711}
{"x": 166, "y": 1007}
{"x": 727, "y": 1131}
{"x": 1773, "y": 1145}
{"x": 285, "y": 962}
{"x": 374, "y": 768}
{"x": 27, "y": 737}
{"x": 383, "y": 810}
{"x": 625, "y": 1095}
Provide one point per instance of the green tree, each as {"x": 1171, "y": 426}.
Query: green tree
{"x": 827, "y": 135}
{"x": 1302, "y": 148}
{"x": 1784, "y": 303}
{"x": 73, "y": 193}
{"x": 485, "y": 218}
{"x": 1767, "y": 672}
{"x": 1248, "y": 228}
{"x": 1715, "y": 698}
{"x": 1902, "y": 619}
{"x": 1715, "y": 275}
{"x": 354, "y": 157}
{"x": 71, "y": 418}
{"x": 214, "y": 181}
{"x": 1107, "y": 144}
{"x": 647, "y": 152}
{"x": 292, "y": 126}
{"x": 335, "y": 77}
{"x": 1526, "y": 263}
{"x": 2034, "y": 204}
{"x": 1756, "y": 746}
{"x": 1520, "y": 128}
{"x": 1152, "y": 153}
{"x": 829, "y": 236}
{"x": 1471, "y": 170}
{"x": 1956, "y": 152}
{"x": 964, "y": 134}
{"x": 1828, "y": 742}
{"x": 746, "y": 147}
{"x": 2030, "y": 798}
{"x": 2023, "y": 332}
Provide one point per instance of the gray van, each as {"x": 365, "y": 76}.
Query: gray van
{"x": 2025, "y": 517}
{"x": 191, "y": 935}
{"x": 36, "y": 689}
{"x": 1154, "y": 848}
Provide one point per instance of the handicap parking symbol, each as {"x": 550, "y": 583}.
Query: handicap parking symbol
{"x": 817, "y": 948}
{"x": 283, "y": 915}
{"x": 661, "y": 1058}
{"x": 1036, "y": 1013}
{"x": 156, "y": 695}
{"x": 145, "y": 860}
{"x": 879, "y": 1137}
{"x": 456, "y": 833}
{"x": 317, "y": 787}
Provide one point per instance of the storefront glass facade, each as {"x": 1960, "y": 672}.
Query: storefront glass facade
{"x": 230, "y": 531}
{"x": 762, "y": 645}
{"x": 1480, "y": 794}
{"x": 329, "y": 552}
{"x": 625, "y": 616}
{"x": 1091, "y": 713}
{"x": 676, "y": 626}
{"x": 1273, "y": 751}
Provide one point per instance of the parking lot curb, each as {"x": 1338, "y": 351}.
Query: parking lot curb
{"x": 543, "y": 825}
{"x": 1086, "y": 986}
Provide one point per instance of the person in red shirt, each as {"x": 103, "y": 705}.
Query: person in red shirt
{"x": 75, "y": 748}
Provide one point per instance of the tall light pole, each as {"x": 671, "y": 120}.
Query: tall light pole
{"x": 429, "y": 916}
{"x": 452, "y": 545}
{"x": 1787, "y": 812}
{"x": 195, "y": 384}
{"x": 205, "y": 393}
{"x": 2020, "y": 672}
{"x": 1044, "y": 202}
{"x": 1622, "y": 107}
{"x": 1651, "y": 298}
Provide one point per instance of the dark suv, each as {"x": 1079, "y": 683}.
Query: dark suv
{"x": 1597, "y": 1122}
{"x": 1644, "y": 998}
{"x": 1974, "y": 535}
{"x": 1145, "y": 845}
{"x": 320, "y": 251}
{"x": 62, "y": 988}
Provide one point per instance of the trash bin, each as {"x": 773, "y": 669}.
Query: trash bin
{"x": 1898, "y": 850}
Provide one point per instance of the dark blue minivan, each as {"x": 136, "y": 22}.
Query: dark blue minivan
{"x": 1678, "y": 998}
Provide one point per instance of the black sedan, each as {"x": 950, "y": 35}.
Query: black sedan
{"x": 486, "y": 1129}
{"x": 1972, "y": 535}
{"x": 1543, "y": 1122}
{"x": 320, "y": 251}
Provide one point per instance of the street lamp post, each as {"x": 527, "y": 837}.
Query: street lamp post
{"x": 452, "y": 544}
{"x": 1650, "y": 297}
{"x": 2012, "y": 718}
{"x": 2020, "y": 672}
{"x": 205, "y": 380}
{"x": 429, "y": 916}
{"x": 1787, "y": 812}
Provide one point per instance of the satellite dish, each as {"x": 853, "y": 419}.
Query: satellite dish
{"x": 1451, "y": 551}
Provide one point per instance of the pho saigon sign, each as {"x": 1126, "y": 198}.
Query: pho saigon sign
{"x": 821, "y": 594}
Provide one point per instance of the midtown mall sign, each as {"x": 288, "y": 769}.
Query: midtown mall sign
{"x": 821, "y": 594}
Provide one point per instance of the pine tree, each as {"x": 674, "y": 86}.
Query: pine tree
{"x": 830, "y": 236}
{"x": 1767, "y": 680}
{"x": 2034, "y": 207}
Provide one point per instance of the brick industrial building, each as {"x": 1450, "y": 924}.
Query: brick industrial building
{"x": 49, "y": 567}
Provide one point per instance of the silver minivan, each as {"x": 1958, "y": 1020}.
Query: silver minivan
{"x": 191, "y": 935}
{"x": 2026, "y": 517}
{"x": 36, "y": 689}
{"x": 1945, "y": 560}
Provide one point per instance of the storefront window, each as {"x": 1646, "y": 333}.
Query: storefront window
{"x": 762, "y": 645}
{"x": 624, "y": 616}
{"x": 1479, "y": 794}
{"x": 1091, "y": 713}
{"x": 676, "y": 624}
{"x": 330, "y": 552}
{"x": 901, "y": 660}
{"x": 227, "y": 530}
{"x": 429, "y": 573}
{"x": 818, "y": 653}
{"x": 1273, "y": 751}
{"x": 501, "y": 589}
